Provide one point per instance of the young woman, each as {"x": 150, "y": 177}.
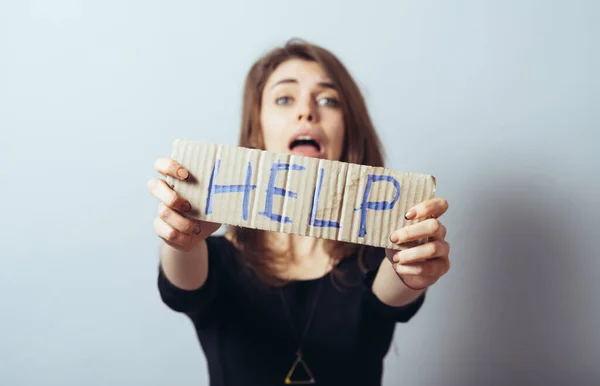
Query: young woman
{"x": 272, "y": 308}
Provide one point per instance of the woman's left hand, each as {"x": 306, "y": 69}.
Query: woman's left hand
{"x": 422, "y": 265}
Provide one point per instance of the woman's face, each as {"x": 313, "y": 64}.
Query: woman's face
{"x": 301, "y": 112}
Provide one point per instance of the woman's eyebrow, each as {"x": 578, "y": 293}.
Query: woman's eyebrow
{"x": 328, "y": 85}
{"x": 283, "y": 81}
{"x": 292, "y": 80}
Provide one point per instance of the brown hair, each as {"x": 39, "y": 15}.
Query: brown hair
{"x": 361, "y": 142}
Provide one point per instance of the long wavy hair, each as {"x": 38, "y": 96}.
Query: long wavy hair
{"x": 361, "y": 145}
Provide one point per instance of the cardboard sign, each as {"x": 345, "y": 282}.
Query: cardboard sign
{"x": 297, "y": 195}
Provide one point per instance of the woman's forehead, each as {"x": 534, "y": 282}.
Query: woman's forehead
{"x": 298, "y": 72}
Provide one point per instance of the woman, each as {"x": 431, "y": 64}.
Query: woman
{"x": 272, "y": 308}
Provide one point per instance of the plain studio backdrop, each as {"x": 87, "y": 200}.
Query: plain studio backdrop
{"x": 499, "y": 100}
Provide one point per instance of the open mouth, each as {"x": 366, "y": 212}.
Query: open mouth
{"x": 305, "y": 140}
{"x": 306, "y": 145}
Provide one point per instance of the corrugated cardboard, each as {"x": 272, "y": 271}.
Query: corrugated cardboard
{"x": 298, "y": 195}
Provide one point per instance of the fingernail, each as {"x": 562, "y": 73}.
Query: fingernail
{"x": 197, "y": 229}
{"x": 410, "y": 214}
{"x": 186, "y": 207}
{"x": 182, "y": 173}
{"x": 393, "y": 238}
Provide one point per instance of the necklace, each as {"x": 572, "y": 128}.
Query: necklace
{"x": 299, "y": 361}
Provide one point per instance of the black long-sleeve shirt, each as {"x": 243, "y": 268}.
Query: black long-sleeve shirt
{"x": 246, "y": 335}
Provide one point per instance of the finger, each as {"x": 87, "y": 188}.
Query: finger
{"x": 428, "y": 228}
{"x": 169, "y": 167}
{"x": 435, "y": 268}
{"x": 177, "y": 221}
{"x": 170, "y": 234}
{"x": 433, "y": 208}
{"x": 441, "y": 233}
{"x": 165, "y": 194}
{"x": 422, "y": 252}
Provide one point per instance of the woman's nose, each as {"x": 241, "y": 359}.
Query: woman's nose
{"x": 306, "y": 112}
{"x": 306, "y": 116}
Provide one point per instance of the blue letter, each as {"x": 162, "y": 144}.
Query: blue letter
{"x": 377, "y": 205}
{"x": 313, "y": 210}
{"x": 217, "y": 189}
{"x": 272, "y": 190}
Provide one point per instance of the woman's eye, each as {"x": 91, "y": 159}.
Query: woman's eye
{"x": 329, "y": 102}
{"x": 282, "y": 100}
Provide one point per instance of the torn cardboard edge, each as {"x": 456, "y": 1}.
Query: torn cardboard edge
{"x": 297, "y": 195}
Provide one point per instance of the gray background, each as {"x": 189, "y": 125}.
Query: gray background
{"x": 498, "y": 99}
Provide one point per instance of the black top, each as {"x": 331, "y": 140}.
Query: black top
{"x": 247, "y": 337}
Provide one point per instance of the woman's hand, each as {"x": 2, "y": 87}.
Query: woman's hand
{"x": 175, "y": 229}
{"x": 422, "y": 265}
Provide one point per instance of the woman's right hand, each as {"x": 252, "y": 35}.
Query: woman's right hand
{"x": 170, "y": 225}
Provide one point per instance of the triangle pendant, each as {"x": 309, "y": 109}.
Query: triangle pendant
{"x": 303, "y": 373}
